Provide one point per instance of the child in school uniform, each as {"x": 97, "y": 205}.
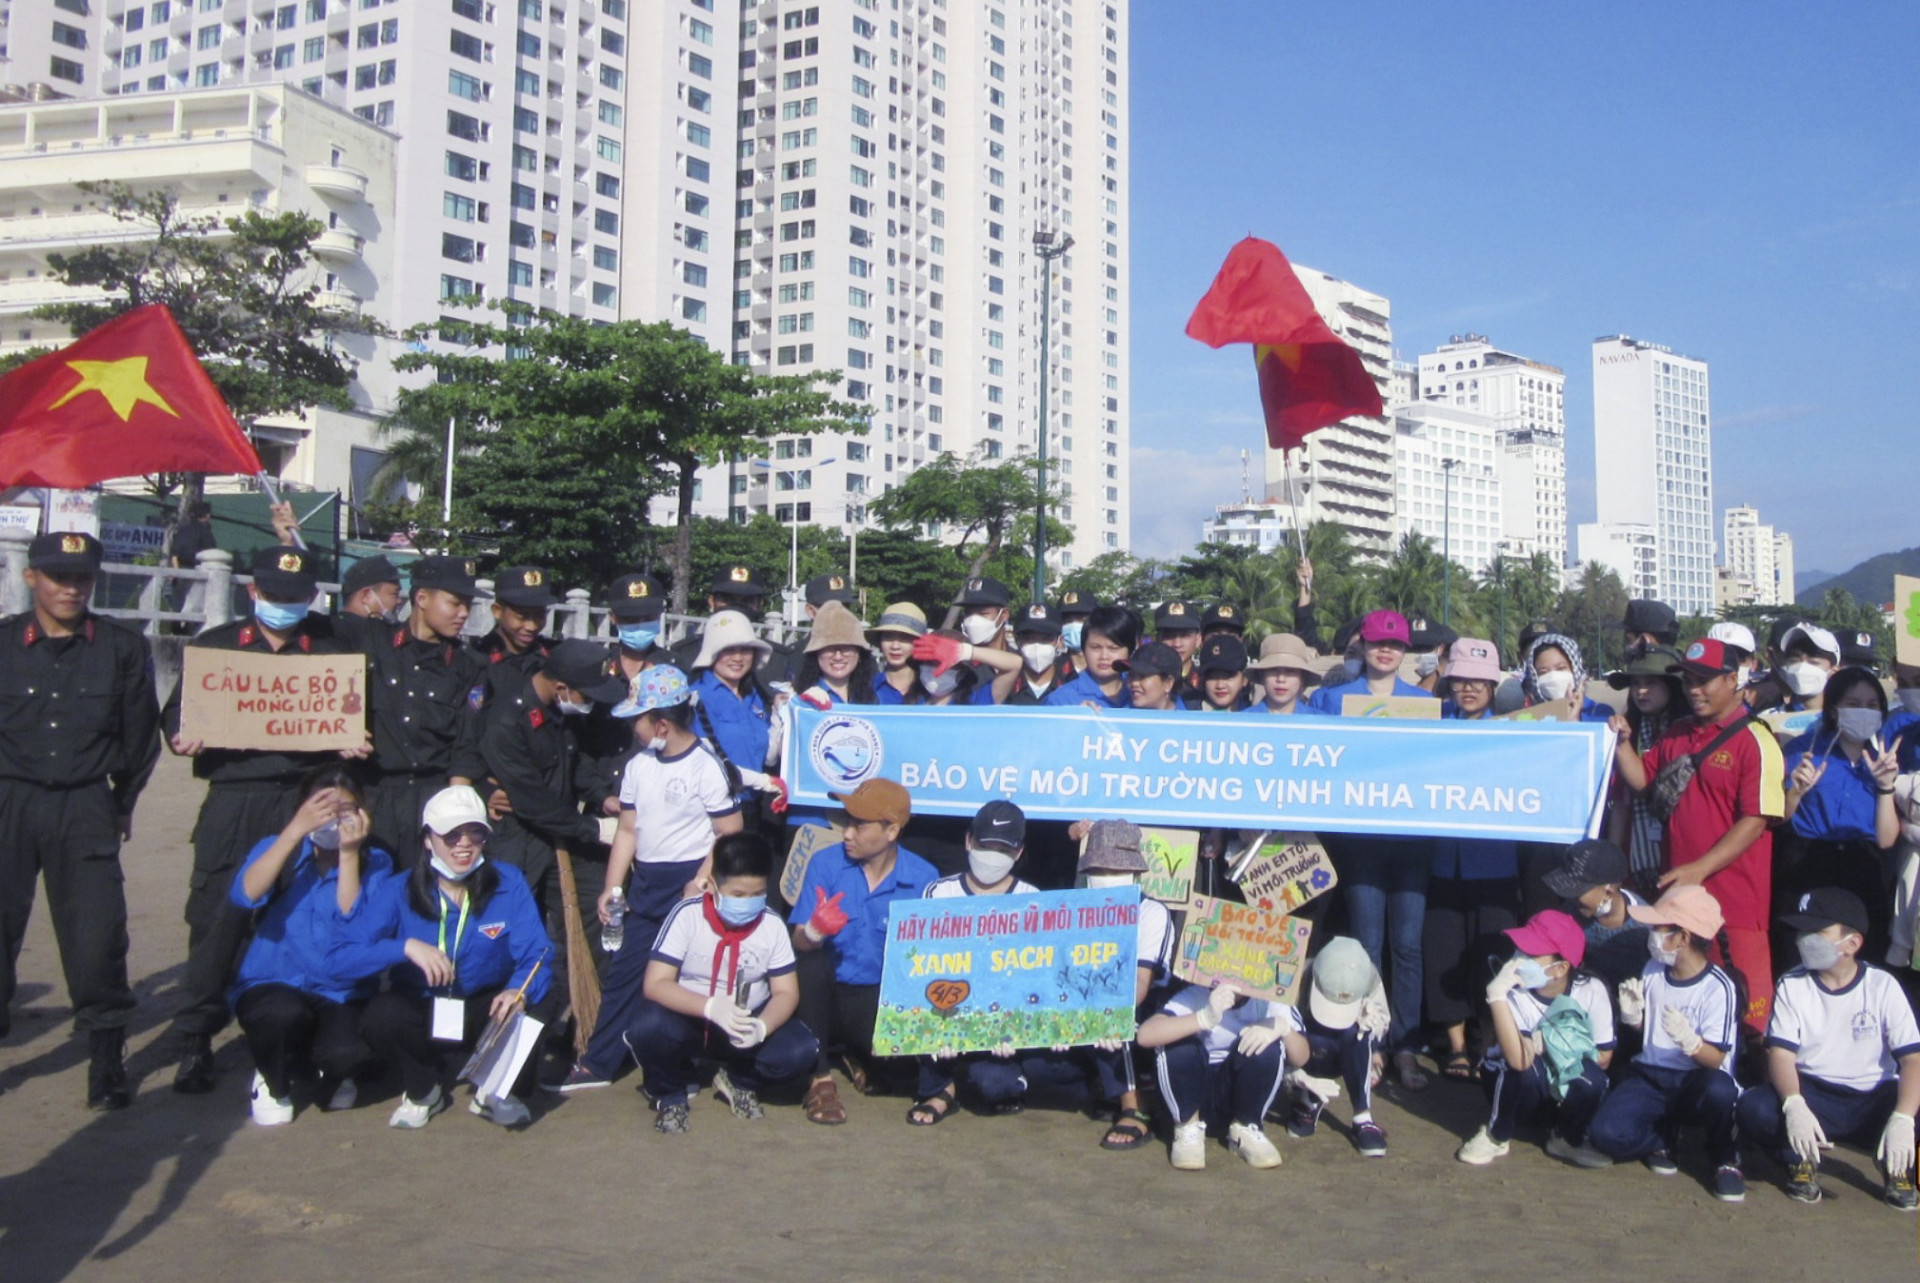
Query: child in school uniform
{"x": 1222, "y": 1056}
{"x": 1547, "y": 1058}
{"x": 720, "y": 985}
{"x": 1346, "y": 1016}
{"x": 1683, "y": 1075}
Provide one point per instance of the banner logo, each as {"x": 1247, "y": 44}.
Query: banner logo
{"x": 845, "y": 751}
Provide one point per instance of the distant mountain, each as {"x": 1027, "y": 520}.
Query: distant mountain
{"x": 1871, "y": 581}
{"x": 1805, "y": 579}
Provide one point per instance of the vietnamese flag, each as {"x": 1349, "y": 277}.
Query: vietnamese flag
{"x": 1309, "y": 378}
{"x": 124, "y": 399}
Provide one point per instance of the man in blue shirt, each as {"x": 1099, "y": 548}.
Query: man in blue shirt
{"x": 840, "y": 931}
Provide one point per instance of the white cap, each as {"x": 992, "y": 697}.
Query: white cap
{"x": 454, "y": 807}
{"x": 1733, "y": 634}
{"x": 1816, "y": 636}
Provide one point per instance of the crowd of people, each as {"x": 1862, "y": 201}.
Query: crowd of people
{"x": 1732, "y": 955}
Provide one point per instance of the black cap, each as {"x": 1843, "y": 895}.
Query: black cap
{"x": 1534, "y": 630}
{"x": 1222, "y": 653}
{"x": 586, "y": 667}
{"x": 1225, "y": 615}
{"x": 1176, "y": 617}
{"x": 1424, "y": 634}
{"x": 368, "y": 572}
{"x": 286, "y": 573}
{"x": 527, "y": 587}
{"x": 1858, "y": 648}
{"x": 1586, "y": 865}
{"x": 1777, "y": 631}
{"x": 984, "y": 592}
{"x": 1077, "y": 605}
{"x": 736, "y": 581}
{"x": 634, "y": 599}
{"x": 65, "y": 552}
{"x": 1037, "y": 618}
{"x": 999, "y": 823}
{"x": 448, "y": 574}
{"x": 1817, "y": 910}
{"x": 1656, "y": 617}
{"x": 1155, "y": 659}
{"x": 822, "y": 589}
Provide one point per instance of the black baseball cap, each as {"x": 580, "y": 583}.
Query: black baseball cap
{"x": 634, "y": 599}
{"x": 286, "y": 573}
{"x": 1226, "y": 616}
{"x": 1077, "y": 605}
{"x": 1817, "y": 910}
{"x": 1647, "y": 616}
{"x": 1777, "y": 631}
{"x": 822, "y": 589}
{"x": 525, "y": 587}
{"x": 1586, "y": 865}
{"x": 1155, "y": 659}
{"x": 368, "y": 572}
{"x": 984, "y": 592}
{"x": 1221, "y": 653}
{"x": 999, "y": 823}
{"x": 1858, "y": 648}
{"x": 65, "y": 552}
{"x": 736, "y": 581}
{"x": 448, "y": 574}
{"x": 1037, "y": 618}
{"x": 586, "y": 667}
{"x": 1176, "y": 617}
{"x": 1424, "y": 634}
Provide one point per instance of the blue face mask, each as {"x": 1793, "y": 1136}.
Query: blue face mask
{"x": 639, "y": 636}
{"x": 738, "y": 910}
{"x": 1531, "y": 973}
{"x": 1070, "y": 634}
{"x": 279, "y": 615}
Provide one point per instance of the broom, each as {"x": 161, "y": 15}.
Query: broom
{"x": 583, "y": 980}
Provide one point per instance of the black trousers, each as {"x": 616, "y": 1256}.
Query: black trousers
{"x": 841, "y": 1016}
{"x": 232, "y": 819}
{"x": 395, "y": 806}
{"x": 285, "y": 1026}
{"x": 69, "y": 837}
{"x": 1462, "y": 928}
{"x": 512, "y": 843}
{"x": 399, "y": 1028}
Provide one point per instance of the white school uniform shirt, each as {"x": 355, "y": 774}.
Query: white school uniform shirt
{"x": 1710, "y": 1003}
{"x": 1853, "y": 1038}
{"x": 675, "y": 801}
{"x": 1220, "y": 1039}
{"x": 1154, "y": 937}
{"x": 956, "y": 884}
{"x": 689, "y": 943}
{"x": 1529, "y": 1009}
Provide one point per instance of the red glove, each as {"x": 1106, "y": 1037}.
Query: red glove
{"x": 779, "y": 790}
{"x": 812, "y": 700}
{"x": 947, "y": 651}
{"x": 828, "y": 917}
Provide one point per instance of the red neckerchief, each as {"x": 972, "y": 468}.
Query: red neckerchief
{"x": 730, "y": 941}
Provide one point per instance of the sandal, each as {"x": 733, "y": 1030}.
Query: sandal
{"x": 1124, "y": 1135}
{"x": 924, "y": 1113}
{"x": 823, "y": 1104}
{"x": 1459, "y": 1067}
{"x": 856, "y": 1073}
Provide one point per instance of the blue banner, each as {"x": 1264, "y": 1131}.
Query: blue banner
{"x": 973, "y": 972}
{"x": 1526, "y": 781}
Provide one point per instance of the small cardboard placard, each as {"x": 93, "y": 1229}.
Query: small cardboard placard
{"x": 807, "y": 840}
{"x": 1261, "y": 952}
{"x": 1171, "y": 855}
{"x": 1559, "y": 710}
{"x": 1285, "y": 870}
{"x": 1414, "y": 708}
{"x": 284, "y": 703}
{"x": 1906, "y": 620}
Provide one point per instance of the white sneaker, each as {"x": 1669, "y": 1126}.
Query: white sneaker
{"x": 505, "y": 1111}
{"x": 270, "y": 1110}
{"x": 413, "y": 1115}
{"x": 1581, "y": 1155}
{"x": 1252, "y": 1144}
{"x": 345, "y": 1096}
{"x": 1481, "y": 1149}
{"x": 1190, "y": 1146}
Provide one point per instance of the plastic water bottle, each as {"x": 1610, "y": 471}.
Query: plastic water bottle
{"x": 614, "y": 934}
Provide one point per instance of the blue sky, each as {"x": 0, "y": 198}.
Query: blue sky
{"x": 1737, "y": 181}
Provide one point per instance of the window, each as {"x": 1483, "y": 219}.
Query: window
{"x": 605, "y": 295}
{"x": 466, "y": 46}
{"x": 66, "y": 69}
{"x": 459, "y": 166}
{"x": 695, "y": 203}
{"x": 461, "y": 85}
{"x": 456, "y": 206}
{"x": 521, "y": 234}
{"x": 612, "y": 77}
{"x": 458, "y": 248}
{"x": 460, "y": 125}
{"x": 700, "y": 65}
{"x": 526, "y": 120}
{"x": 607, "y": 185}
{"x": 74, "y": 38}
{"x": 699, "y": 99}
{"x": 457, "y": 287}
{"x": 608, "y": 260}
{"x": 698, "y": 135}
{"x": 611, "y": 114}
{"x": 694, "y": 238}
{"x": 700, "y": 31}
{"x": 606, "y": 221}
{"x": 202, "y": 76}
{"x": 523, "y": 196}
{"x": 528, "y": 44}
{"x": 526, "y": 158}
{"x": 698, "y": 170}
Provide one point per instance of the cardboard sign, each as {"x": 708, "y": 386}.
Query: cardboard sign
{"x": 1284, "y": 871}
{"x": 1789, "y": 726}
{"x": 1408, "y": 708}
{"x": 1053, "y": 969}
{"x": 807, "y": 839}
{"x": 1906, "y": 620}
{"x": 287, "y": 703}
{"x": 1261, "y": 952}
{"x": 1559, "y": 710}
{"x": 1171, "y": 855}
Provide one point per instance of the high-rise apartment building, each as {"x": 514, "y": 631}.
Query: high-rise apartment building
{"x": 1447, "y": 480}
{"x": 1525, "y": 400}
{"x": 1653, "y": 461}
{"x": 1758, "y": 555}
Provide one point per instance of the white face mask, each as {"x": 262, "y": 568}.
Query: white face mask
{"x": 1605, "y": 908}
{"x": 989, "y": 866}
{"x": 1426, "y": 665}
{"x": 979, "y": 629}
{"x": 1743, "y": 676}
{"x": 1909, "y": 698}
{"x": 1665, "y": 957}
{"x": 1803, "y": 679}
{"x": 1039, "y": 656}
{"x": 945, "y": 684}
{"x": 1817, "y": 953}
{"x": 657, "y": 745}
{"x": 1555, "y": 685}
{"x": 572, "y": 709}
{"x": 1858, "y": 724}
{"x": 440, "y": 867}
{"x": 1107, "y": 881}
{"x": 327, "y": 836}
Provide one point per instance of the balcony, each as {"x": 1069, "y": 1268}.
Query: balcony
{"x": 338, "y": 181}
{"x": 339, "y": 300}
{"x": 338, "y": 245}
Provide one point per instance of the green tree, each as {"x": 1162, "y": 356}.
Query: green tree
{"x": 1343, "y": 587}
{"x": 1117, "y": 578}
{"x": 1590, "y": 612}
{"x": 1514, "y": 591}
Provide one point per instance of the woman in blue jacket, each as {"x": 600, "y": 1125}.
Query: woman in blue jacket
{"x": 459, "y": 928}
{"x": 290, "y": 1004}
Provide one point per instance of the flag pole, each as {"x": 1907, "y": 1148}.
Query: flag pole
{"x": 1293, "y": 501}
{"x": 273, "y": 498}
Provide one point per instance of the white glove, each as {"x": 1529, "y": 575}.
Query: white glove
{"x": 1108, "y": 1044}
{"x": 1219, "y": 1003}
{"x": 1375, "y": 1015}
{"x": 747, "y": 1031}
{"x": 1255, "y": 1039}
{"x": 720, "y": 1011}
{"x": 946, "y": 1053}
{"x": 1321, "y": 1089}
{"x": 1004, "y": 1051}
{"x": 1896, "y": 1145}
{"x": 1060, "y": 1049}
{"x": 757, "y": 780}
{"x": 1805, "y": 1136}
{"x": 1633, "y": 1002}
{"x": 1505, "y": 981}
{"x": 1674, "y": 1023}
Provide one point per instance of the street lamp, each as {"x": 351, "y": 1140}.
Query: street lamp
{"x": 793, "y": 551}
{"x": 1044, "y": 246}
{"x": 1446, "y": 543}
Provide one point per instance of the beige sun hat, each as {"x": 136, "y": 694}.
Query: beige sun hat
{"x": 1284, "y": 650}
{"x": 902, "y": 618}
{"x": 724, "y": 630}
{"x": 835, "y": 625}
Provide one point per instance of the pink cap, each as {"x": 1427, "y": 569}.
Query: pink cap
{"x": 1473, "y": 659}
{"x": 1551, "y": 931}
{"x": 1385, "y": 625}
{"x": 1692, "y": 908}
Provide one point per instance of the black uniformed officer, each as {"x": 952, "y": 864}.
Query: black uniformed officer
{"x": 250, "y": 795}
{"x": 371, "y": 590}
{"x": 1074, "y": 608}
{"x": 523, "y": 601}
{"x": 1036, "y": 634}
{"x": 425, "y": 694}
{"x": 636, "y": 603}
{"x": 983, "y": 606}
{"x": 79, "y": 734}
{"x": 1176, "y": 624}
{"x": 1222, "y": 668}
{"x": 1223, "y": 617}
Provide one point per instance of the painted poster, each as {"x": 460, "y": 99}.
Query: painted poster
{"x": 291, "y": 703}
{"x": 1285, "y": 871}
{"x": 1259, "y": 951}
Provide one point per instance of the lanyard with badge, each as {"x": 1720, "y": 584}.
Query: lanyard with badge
{"x": 450, "y": 1013}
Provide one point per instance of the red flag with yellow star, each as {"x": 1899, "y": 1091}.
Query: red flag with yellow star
{"x": 124, "y": 399}
{"x": 1309, "y": 378}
